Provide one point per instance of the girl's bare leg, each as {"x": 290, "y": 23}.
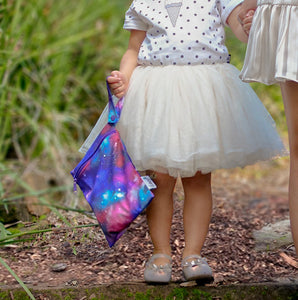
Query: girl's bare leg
{"x": 159, "y": 214}
{"x": 197, "y": 212}
{"x": 289, "y": 91}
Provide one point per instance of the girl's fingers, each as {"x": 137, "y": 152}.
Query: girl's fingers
{"x": 246, "y": 27}
{"x": 117, "y": 83}
{"x": 117, "y": 90}
{"x": 116, "y": 74}
{"x": 119, "y": 94}
{"x": 112, "y": 80}
{"x": 250, "y": 13}
{"x": 248, "y": 20}
{"x": 115, "y": 77}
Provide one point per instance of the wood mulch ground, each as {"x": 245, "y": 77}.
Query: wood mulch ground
{"x": 244, "y": 201}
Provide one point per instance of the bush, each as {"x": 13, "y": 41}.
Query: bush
{"x": 54, "y": 58}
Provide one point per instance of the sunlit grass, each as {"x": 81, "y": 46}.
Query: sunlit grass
{"x": 54, "y": 58}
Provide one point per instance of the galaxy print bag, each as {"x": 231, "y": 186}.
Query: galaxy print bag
{"x": 109, "y": 181}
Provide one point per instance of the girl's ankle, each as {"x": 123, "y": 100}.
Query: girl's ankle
{"x": 164, "y": 250}
{"x": 190, "y": 252}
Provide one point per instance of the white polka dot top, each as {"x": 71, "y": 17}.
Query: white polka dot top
{"x": 181, "y": 32}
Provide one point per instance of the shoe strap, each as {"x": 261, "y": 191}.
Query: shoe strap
{"x": 160, "y": 255}
{"x": 192, "y": 260}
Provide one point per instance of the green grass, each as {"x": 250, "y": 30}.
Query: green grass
{"x": 54, "y": 56}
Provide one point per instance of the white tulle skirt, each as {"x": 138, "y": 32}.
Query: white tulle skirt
{"x": 272, "y": 50}
{"x": 183, "y": 119}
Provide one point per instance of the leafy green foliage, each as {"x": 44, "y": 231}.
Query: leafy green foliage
{"x": 54, "y": 56}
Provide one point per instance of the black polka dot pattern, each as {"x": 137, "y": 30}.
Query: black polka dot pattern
{"x": 196, "y": 37}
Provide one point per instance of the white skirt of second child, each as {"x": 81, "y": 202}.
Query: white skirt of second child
{"x": 272, "y": 49}
{"x": 183, "y": 119}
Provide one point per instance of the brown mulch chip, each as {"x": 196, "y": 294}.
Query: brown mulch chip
{"x": 81, "y": 257}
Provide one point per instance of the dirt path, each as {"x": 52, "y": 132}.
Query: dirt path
{"x": 244, "y": 200}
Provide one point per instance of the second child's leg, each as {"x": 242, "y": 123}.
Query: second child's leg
{"x": 290, "y": 97}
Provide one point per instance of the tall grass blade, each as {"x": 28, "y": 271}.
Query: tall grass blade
{"x": 22, "y": 284}
{"x": 14, "y": 237}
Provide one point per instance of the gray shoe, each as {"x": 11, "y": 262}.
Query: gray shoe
{"x": 195, "y": 267}
{"x": 158, "y": 273}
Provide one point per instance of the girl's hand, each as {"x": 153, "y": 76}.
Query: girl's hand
{"x": 118, "y": 83}
{"x": 245, "y": 7}
{"x": 247, "y": 21}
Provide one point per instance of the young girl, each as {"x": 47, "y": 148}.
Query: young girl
{"x": 272, "y": 57}
{"x": 186, "y": 113}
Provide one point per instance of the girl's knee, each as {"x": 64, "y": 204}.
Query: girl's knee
{"x": 198, "y": 180}
{"x": 162, "y": 180}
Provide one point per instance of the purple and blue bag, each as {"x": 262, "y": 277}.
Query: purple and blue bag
{"x": 109, "y": 181}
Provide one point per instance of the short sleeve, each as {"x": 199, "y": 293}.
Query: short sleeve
{"x": 226, "y": 7}
{"x": 134, "y": 21}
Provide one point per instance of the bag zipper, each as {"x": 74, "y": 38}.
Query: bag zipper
{"x": 85, "y": 159}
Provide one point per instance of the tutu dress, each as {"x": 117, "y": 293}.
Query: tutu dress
{"x": 186, "y": 109}
{"x": 272, "y": 50}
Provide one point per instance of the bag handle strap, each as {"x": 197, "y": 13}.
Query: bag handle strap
{"x": 114, "y": 110}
